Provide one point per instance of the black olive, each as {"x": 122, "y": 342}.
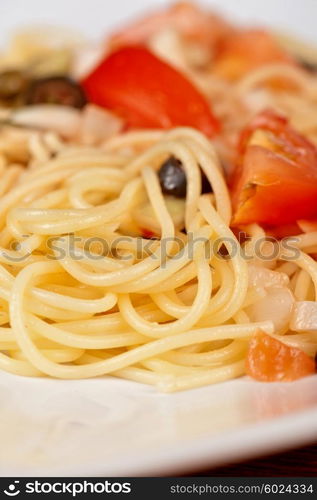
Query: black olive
{"x": 173, "y": 179}
{"x": 56, "y": 90}
{"x": 12, "y": 84}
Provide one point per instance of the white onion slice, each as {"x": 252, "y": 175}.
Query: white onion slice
{"x": 258, "y": 99}
{"x": 265, "y": 278}
{"x": 167, "y": 44}
{"x": 304, "y": 316}
{"x": 63, "y": 120}
{"x": 276, "y": 306}
{"x": 97, "y": 125}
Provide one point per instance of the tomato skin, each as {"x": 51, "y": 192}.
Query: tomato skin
{"x": 269, "y": 360}
{"x": 294, "y": 143}
{"x": 276, "y": 185}
{"x": 147, "y": 92}
{"x": 147, "y": 233}
{"x": 245, "y": 50}
{"x": 284, "y": 231}
{"x": 278, "y": 193}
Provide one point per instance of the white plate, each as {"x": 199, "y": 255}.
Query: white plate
{"x": 113, "y": 427}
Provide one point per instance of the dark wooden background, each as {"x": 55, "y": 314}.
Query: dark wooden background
{"x": 296, "y": 463}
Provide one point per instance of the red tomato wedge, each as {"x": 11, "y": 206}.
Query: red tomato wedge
{"x": 269, "y": 360}
{"x": 275, "y": 181}
{"x": 147, "y": 92}
{"x": 245, "y": 50}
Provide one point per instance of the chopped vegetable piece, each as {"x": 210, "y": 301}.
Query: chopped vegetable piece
{"x": 275, "y": 181}
{"x": 98, "y": 124}
{"x": 304, "y": 316}
{"x": 262, "y": 277}
{"x": 275, "y": 306}
{"x": 62, "y": 120}
{"x": 243, "y": 51}
{"x": 191, "y": 21}
{"x": 269, "y": 360}
{"x": 56, "y": 90}
{"x": 147, "y": 92}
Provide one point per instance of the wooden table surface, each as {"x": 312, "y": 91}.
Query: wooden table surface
{"x": 296, "y": 463}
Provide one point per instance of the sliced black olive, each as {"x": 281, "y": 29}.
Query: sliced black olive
{"x": 56, "y": 90}
{"x": 12, "y": 84}
{"x": 173, "y": 179}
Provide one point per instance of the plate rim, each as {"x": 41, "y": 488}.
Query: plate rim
{"x": 276, "y": 434}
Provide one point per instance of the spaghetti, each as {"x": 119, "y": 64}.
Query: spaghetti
{"x": 84, "y": 292}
